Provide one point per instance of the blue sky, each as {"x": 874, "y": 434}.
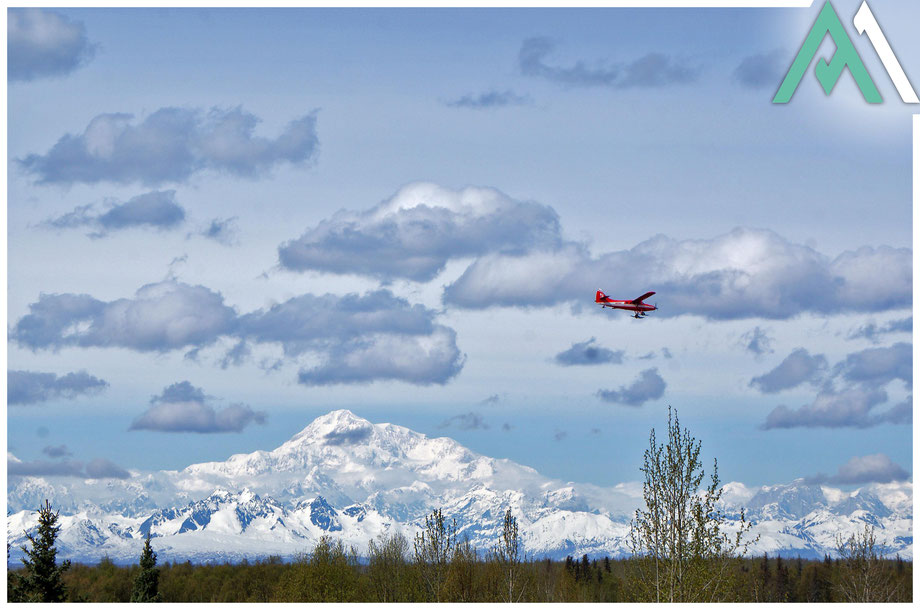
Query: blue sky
{"x": 241, "y": 219}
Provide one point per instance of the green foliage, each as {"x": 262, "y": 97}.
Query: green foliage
{"x": 328, "y": 574}
{"x": 41, "y": 580}
{"x": 388, "y": 568}
{"x": 507, "y": 554}
{"x": 146, "y": 584}
{"x": 269, "y": 579}
{"x": 434, "y": 547}
{"x": 682, "y": 551}
{"x": 861, "y": 577}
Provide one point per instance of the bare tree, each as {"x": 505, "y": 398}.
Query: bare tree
{"x": 863, "y": 577}
{"x": 681, "y": 545}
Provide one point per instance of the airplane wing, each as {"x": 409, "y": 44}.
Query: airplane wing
{"x": 642, "y": 298}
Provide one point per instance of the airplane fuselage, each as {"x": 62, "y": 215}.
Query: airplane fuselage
{"x": 628, "y": 305}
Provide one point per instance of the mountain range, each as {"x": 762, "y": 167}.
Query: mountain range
{"x": 348, "y": 478}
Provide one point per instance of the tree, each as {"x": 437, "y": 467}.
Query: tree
{"x": 147, "y": 581}
{"x": 43, "y": 579}
{"x": 507, "y": 553}
{"x": 434, "y": 547}
{"x": 387, "y": 567}
{"x": 328, "y": 574}
{"x": 461, "y": 574}
{"x": 682, "y": 550}
{"x": 863, "y": 577}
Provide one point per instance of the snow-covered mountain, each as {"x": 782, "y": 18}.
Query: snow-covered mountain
{"x": 345, "y": 477}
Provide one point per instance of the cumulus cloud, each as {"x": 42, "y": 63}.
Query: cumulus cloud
{"x": 44, "y": 44}
{"x": 156, "y": 209}
{"x": 236, "y": 355}
{"x": 308, "y": 322}
{"x": 851, "y": 408}
{"x": 757, "y": 342}
{"x": 588, "y": 353}
{"x": 41, "y": 468}
{"x": 651, "y": 70}
{"x": 901, "y": 413}
{"x": 761, "y": 70}
{"x": 743, "y": 274}
{"x": 222, "y": 230}
{"x": 182, "y": 391}
{"x": 797, "y": 368}
{"x": 57, "y": 451}
{"x": 875, "y": 367}
{"x": 859, "y": 470}
{"x": 183, "y": 407}
{"x": 413, "y": 234}
{"x": 161, "y": 317}
{"x": 30, "y": 387}
{"x": 99, "y": 468}
{"x": 348, "y": 437}
{"x": 421, "y": 359}
{"x": 490, "y": 99}
{"x": 860, "y": 378}
{"x": 171, "y": 145}
{"x": 465, "y": 421}
{"x": 648, "y": 386}
{"x": 358, "y": 338}
{"x": 874, "y": 332}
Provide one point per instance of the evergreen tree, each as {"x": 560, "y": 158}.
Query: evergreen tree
{"x": 569, "y": 564}
{"x": 147, "y": 581}
{"x": 42, "y": 580}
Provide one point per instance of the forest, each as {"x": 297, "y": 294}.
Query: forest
{"x": 331, "y": 574}
{"x": 682, "y": 550}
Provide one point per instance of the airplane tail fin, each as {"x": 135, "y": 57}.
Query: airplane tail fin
{"x": 600, "y": 297}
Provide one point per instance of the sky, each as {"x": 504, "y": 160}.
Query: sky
{"x": 223, "y": 223}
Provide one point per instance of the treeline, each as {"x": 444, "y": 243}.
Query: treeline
{"x": 333, "y": 574}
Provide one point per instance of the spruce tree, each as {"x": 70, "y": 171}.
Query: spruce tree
{"x": 148, "y": 579}
{"x": 42, "y": 580}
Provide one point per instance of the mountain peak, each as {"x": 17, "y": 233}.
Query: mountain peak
{"x": 335, "y": 427}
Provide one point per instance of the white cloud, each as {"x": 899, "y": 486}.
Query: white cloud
{"x": 184, "y": 408}
{"x": 413, "y": 234}
{"x": 43, "y": 44}
{"x": 648, "y": 386}
{"x": 797, "y": 368}
{"x": 170, "y": 145}
{"x": 746, "y": 273}
{"x": 358, "y": 338}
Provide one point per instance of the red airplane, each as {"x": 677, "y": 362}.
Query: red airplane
{"x": 636, "y": 305}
